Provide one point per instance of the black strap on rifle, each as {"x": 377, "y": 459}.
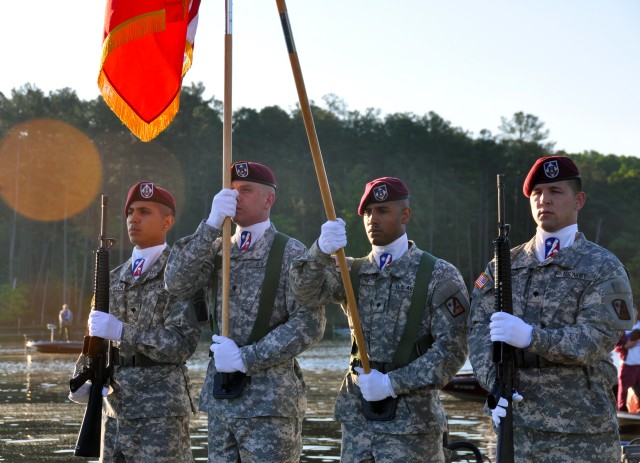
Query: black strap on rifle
{"x": 267, "y": 294}
{"x": 407, "y": 350}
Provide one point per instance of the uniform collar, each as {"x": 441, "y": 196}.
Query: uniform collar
{"x": 397, "y": 269}
{"x": 259, "y": 250}
{"x": 256, "y": 232}
{"x": 154, "y": 270}
{"x": 567, "y": 257}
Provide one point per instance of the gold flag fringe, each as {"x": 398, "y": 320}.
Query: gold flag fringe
{"x": 145, "y": 131}
{"x": 132, "y": 29}
{"x": 188, "y": 57}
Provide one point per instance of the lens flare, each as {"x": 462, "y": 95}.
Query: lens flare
{"x": 49, "y": 170}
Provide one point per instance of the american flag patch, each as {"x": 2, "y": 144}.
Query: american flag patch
{"x": 482, "y": 280}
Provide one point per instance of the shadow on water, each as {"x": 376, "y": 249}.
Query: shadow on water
{"x": 39, "y": 424}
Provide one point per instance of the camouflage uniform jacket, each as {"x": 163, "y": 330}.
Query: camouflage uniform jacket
{"x": 384, "y": 298}
{"x": 277, "y": 386}
{"x": 575, "y": 303}
{"x": 161, "y": 327}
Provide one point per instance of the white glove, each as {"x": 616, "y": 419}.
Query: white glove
{"x": 501, "y": 409}
{"x": 375, "y": 385}
{"x": 333, "y": 236}
{"x": 104, "y": 325}
{"x": 222, "y": 206}
{"x": 81, "y": 396}
{"x": 226, "y": 355}
{"x": 510, "y": 329}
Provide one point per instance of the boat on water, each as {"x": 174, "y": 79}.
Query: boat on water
{"x": 54, "y": 346}
{"x": 465, "y": 386}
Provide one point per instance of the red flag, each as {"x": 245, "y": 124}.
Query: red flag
{"x": 146, "y": 51}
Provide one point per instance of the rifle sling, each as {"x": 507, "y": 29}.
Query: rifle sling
{"x": 267, "y": 293}
{"x": 406, "y": 351}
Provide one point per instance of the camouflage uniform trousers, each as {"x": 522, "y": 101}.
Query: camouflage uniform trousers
{"x": 360, "y": 446}
{"x": 262, "y": 439}
{"x": 535, "y": 446}
{"x": 163, "y": 439}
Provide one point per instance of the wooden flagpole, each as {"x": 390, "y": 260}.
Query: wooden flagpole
{"x": 226, "y": 164}
{"x": 352, "y": 310}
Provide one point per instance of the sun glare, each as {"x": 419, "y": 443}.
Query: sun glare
{"x": 49, "y": 170}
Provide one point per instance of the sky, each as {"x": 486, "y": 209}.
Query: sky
{"x": 574, "y": 64}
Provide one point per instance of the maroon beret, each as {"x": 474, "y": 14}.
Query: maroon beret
{"x": 147, "y": 191}
{"x": 381, "y": 190}
{"x": 248, "y": 171}
{"x": 549, "y": 169}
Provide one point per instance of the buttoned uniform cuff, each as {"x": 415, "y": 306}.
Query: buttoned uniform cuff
{"x": 209, "y": 232}
{"x": 249, "y": 356}
{"x": 395, "y": 387}
{"x": 539, "y": 342}
{"x": 321, "y": 257}
{"x": 391, "y": 386}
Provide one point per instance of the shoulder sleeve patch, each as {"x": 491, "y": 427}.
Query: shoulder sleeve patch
{"x": 482, "y": 280}
{"x": 454, "y": 306}
{"x": 618, "y": 301}
{"x": 620, "y": 306}
{"x": 452, "y": 300}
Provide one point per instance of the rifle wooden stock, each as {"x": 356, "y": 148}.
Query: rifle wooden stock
{"x": 96, "y": 352}
{"x": 503, "y": 353}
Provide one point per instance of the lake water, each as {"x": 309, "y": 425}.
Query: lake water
{"x": 39, "y": 424}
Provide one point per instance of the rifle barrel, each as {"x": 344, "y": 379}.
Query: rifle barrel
{"x": 96, "y": 351}
{"x": 503, "y": 353}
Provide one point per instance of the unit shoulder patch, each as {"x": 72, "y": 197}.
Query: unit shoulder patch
{"x": 454, "y": 306}
{"x": 621, "y": 309}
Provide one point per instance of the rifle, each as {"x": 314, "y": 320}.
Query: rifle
{"x": 96, "y": 351}
{"x": 503, "y": 353}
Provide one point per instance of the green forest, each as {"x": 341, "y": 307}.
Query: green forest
{"x": 47, "y": 259}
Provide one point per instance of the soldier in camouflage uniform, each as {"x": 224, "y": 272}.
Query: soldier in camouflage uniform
{"x": 147, "y": 410}
{"x": 571, "y": 301}
{"x": 387, "y": 278}
{"x": 263, "y": 424}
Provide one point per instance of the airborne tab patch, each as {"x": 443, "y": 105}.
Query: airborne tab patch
{"x": 482, "y": 280}
{"x": 454, "y": 306}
